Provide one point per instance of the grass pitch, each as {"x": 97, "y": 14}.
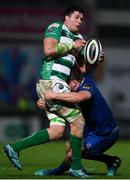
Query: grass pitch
{"x": 51, "y": 154}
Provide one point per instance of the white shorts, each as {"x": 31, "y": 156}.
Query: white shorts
{"x": 57, "y": 86}
{"x": 58, "y": 114}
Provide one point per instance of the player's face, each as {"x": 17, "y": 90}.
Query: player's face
{"x": 74, "y": 21}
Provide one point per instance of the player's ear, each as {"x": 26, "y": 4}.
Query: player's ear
{"x": 72, "y": 85}
{"x": 75, "y": 83}
{"x": 66, "y": 18}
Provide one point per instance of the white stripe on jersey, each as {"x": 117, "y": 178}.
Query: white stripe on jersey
{"x": 79, "y": 36}
{"x": 65, "y": 28}
{"x": 50, "y": 115}
{"x": 56, "y": 78}
{"x": 65, "y": 40}
{"x": 70, "y": 58}
{"x": 61, "y": 68}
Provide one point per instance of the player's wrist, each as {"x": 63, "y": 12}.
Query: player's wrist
{"x": 62, "y": 48}
{"x": 73, "y": 45}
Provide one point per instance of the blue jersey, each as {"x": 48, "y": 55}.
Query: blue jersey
{"x": 98, "y": 116}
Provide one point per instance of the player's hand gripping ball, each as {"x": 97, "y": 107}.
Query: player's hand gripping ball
{"x": 93, "y": 52}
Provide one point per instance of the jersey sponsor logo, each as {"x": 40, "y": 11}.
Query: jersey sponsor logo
{"x": 53, "y": 25}
{"x": 87, "y": 86}
{"x": 88, "y": 145}
{"x": 59, "y": 88}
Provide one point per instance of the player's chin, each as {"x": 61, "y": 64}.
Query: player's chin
{"x": 76, "y": 29}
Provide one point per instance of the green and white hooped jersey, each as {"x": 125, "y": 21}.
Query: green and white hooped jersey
{"x": 58, "y": 67}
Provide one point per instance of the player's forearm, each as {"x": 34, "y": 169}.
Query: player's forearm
{"x": 59, "y": 50}
{"x": 65, "y": 97}
{"x": 54, "y": 48}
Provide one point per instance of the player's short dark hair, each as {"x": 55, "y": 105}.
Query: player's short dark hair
{"x": 76, "y": 74}
{"x": 72, "y": 9}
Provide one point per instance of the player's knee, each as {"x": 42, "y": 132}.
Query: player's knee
{"x": 81, "y": 123}
{"x": 59, "y": 133}
{"x": 78, "y": 123}
{"x": 55, "y": 132}
{"x": 91, "y": 150}
{"x": 77, "y": 127}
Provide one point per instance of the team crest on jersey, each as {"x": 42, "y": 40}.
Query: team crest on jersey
{"x": 51, "y": 29}
{"x": 87, "y": 86}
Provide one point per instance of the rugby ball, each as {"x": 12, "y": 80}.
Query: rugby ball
{"x": 92, "y": 51}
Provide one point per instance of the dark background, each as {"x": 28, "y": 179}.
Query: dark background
{"x": 22, "y": 23}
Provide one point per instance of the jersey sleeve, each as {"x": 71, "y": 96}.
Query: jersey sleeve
{"x": 53, "y": 31}
{"x": 87, "y": 86}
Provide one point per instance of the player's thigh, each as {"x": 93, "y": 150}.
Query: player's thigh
{"x": 55, "y": 131}
{"x": 71, "y": 114}
{"x": 55, "y": 119}
{"x": 57, "y": 126}
{"x": 96, "y": 145}
{"x": 75, "y": 118}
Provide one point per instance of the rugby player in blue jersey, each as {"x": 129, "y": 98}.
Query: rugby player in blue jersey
{"x": 101, "y": 130}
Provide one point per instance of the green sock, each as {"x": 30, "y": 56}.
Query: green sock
{"x": 36, "y": 138}
{"x": 76, "y": 143}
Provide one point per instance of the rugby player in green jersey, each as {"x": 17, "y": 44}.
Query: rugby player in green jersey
{"x": 60, "y": 42}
